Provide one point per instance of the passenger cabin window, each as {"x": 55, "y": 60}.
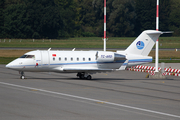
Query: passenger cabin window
{"x": 83, "y": 59}
{"x": 27, "y": 56}
{"x": 53, "y": 59}
{"x": 77, "y": 59}
{"x": 71, "y": 59}
{"x": 59, "y": 58}
{"x": 89, "y": 59}
{"x": 65, "y": 59}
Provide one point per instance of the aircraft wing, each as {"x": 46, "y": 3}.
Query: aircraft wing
{"x": 90, "y": 70}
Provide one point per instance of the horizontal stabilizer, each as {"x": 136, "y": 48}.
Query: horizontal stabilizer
{"x": 153, "y": 32}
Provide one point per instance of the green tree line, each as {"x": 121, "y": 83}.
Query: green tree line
{"x": 75, "y": 18}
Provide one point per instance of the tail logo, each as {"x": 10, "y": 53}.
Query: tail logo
{"x": 140, "y": 45}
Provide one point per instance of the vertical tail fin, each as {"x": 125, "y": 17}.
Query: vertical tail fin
{"x": 143, "y": 44}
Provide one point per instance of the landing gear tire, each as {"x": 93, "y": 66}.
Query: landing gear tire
{"x": 89, "y": 77}
{"x": 22, "y": 77}
{"x": 80, "y": 75}
{"x": 84, "y": 76}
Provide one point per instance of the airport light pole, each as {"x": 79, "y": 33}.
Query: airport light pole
{"x": 104, "y": 25}
{"x": 157, "y": 41}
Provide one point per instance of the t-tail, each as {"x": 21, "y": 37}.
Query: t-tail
{"x": 137, "y": 52}
{"x": 144, "y": 43}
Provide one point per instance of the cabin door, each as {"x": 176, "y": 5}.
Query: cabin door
{"x": 45, "y": 59}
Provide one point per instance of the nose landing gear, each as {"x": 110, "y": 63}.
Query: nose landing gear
{"x": 22, "y": 75}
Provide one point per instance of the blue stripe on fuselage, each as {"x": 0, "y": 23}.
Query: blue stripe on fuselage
{"x": 95, "y": 62}
{"x": 140, "y": 60}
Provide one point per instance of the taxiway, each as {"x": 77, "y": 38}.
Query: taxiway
{"x": 123, "y": 95}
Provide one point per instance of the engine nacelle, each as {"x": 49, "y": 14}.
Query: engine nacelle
{"x": 119, "y": 57}
{"x": 109, "y": 57}
{"x": 105, "y": 56}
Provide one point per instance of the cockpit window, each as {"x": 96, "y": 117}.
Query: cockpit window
{"x": 24, "y": 56}
{"x": 27, "y": 56}
{"x": 30, "y": 56}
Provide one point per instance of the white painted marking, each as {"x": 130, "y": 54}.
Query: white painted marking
{"x": 94, "y": 100}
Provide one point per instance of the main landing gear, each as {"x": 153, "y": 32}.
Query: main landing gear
{"x": 84, "y": 76}
{"x": 22, "y": 75}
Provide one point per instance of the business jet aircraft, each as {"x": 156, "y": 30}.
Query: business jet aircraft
{"x": 86, "y": 63}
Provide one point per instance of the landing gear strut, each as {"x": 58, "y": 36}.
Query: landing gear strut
{"x": 22, "y": 75}
{"x": 84, "y": 76}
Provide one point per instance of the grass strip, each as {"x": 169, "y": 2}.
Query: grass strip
{"x": 6, "y": 60}
{"x": 84, "y": 42}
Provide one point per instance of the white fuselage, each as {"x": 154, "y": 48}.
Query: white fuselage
{"x": 57, "y": 61}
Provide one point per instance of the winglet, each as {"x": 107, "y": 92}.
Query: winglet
{"x": 124, "y": 65}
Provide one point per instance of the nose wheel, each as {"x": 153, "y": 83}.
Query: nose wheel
{"x": 22, "y": 75}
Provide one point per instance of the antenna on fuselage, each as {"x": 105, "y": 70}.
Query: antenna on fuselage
{"x": 96, "y": 55}
{"x": 73, "y": 49}
{"x": 49, "y": 49}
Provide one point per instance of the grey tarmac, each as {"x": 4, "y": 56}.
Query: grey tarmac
{"x": 123, "y": 95}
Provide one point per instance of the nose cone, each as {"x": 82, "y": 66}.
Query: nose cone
{"x": 13, "y": 65}
{"x": 9, "y": 65}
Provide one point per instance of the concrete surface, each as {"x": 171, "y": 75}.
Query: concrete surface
{"x": 123, "y": 95}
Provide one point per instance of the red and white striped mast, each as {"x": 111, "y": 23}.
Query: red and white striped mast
{"x": 104, "y": 25}
{"x": 157, "y": 41}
